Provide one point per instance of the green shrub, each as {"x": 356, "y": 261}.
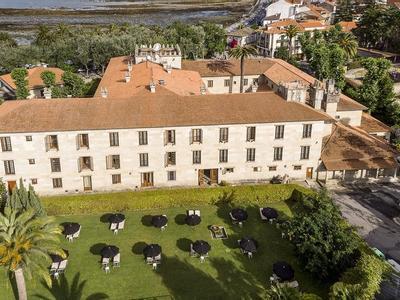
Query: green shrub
{"x": 164, "y": 198}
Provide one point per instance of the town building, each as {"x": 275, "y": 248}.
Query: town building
{"x": 241, "y": 37}
{"x": 190, "y": 126}
{"x": 273, "y": 36}
{"x": 36, "y": 86}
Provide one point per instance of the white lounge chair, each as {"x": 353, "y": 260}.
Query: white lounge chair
{"x": 190, "y": 212}
{"x": 104, "y": 262}
{"x": 76, "y": 234}
{"x": 197, "y": 212}
{"x": 149, "y": 260}
{"x": 121, "y": 225}
{"x": 202, "y": 258}
{"x": 192, "y": 252}
{"x": 117, "y": 260}
{"x": 70, "y": 237}
{"x": 54, "y": 267}
{"x": 114, "y": 227}
{"x": 62, "y": 266}
{"x": 262, "y": 216}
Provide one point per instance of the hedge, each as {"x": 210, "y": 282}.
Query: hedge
{"x": 165, "y": 198}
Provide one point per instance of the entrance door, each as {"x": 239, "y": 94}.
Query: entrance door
{"x": 208, "y": 176}
{"x": 87, "y": 183}
{"x": 147, "y": 179}
{"x": 11, "y": 186}
{"x": 309, "y": 173}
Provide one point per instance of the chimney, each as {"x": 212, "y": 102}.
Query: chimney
{"x": 104, "y": 92}
{"x": 152, "y": 87}
{"x": 47, "y": 93}
{"x": 294, "y": 91}
{"x": 129, "y": 66}
{"x": 127, "y": 77}
{"x": 202, "y": 90}
{"x": 317, "y": 95}
{"x": 254, "y": 87}
{"x": 331, "y": 99}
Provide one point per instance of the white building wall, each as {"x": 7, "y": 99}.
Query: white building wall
{"x": 219, "y": 84}
{"x": 186, "y": 171}
{"x": 352, "y": 117}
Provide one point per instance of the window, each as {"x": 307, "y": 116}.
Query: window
{"x": 197, "y": 136}
{"x": 31, "y": 161}
{"x": 305, "y": 152}
{"x": 255, "y": 81}
{"x": 278, "y": 152}
{"x": 210, "y": 83}
{"x": 142, "y": 137}
{"x": 6, "y": 144}
{"x": 144, "y": 159}
{"x": 251, "y": 154}
{"x": 147, "y": 179}
{"x": 227, "y": 82}
{"x": 245, "y": 81}
{"x": 9, "y": 168}
{"x": 116, "y": 178}
{"x": 223, "y": 155}
{"x": 28, "y": 138}
{"x": 33, "y": 180}
{"x": 307, "y": 128}
{"x": 171, "y": 175}
{"x": 112, "y": 162}
{"x": 169, "y": 136}
{"x": 296, "y": 168}
{"x": 170, "y": 158}
{"x": 197, "y": 157}
{"x": 55, "y": 165}
{"x": 51, "y": 142}
{"x": 279, "y": 131}
{"x": 82, "y": 141}
{"x": 57, "y": 183}
{"x": 114, "y": 139}
{"x": 85, "y": 163}
{"x": 251, "y": 134}
{"x": 257, "y": 169}
{"x": 227, "y": 170}
{"x": 272, "y": 168}
{"x": 223, "y": 135}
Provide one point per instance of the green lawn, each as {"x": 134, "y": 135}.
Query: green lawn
{"x": 226, "y": 274}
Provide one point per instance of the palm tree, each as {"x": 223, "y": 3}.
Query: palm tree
{"x": 282, "y": 292}
{"x": 291, "y": 32}
{"x": 242, "y": 52}
{"x": 347, "y": 41}
{"x": 25, "y": 244}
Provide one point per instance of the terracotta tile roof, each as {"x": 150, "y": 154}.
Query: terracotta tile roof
{"x": 147, "y": 110}
{"x": 312, "y": 24}
{"x": 210, "y": 68}
{"x": 348, "y": 26}
{"x": 181, "y": 82}
{"x": 348, "y": 104}
{"x": 34, "y": 80}
{"x": 349, "y": 148}
{"x": 372, "y": 125}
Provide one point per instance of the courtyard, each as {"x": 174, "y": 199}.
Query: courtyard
{"x": 225, "y": 274}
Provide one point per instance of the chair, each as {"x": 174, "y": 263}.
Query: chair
{"x": 62, "y": 266}
{"x": 190, "y": 212}
{"x": 202, "y": 258}
{"x": 274, "y": 278}
{"x": 149, "y": 260}
{"x": 121, "y": 225}
{"x": 250, "y": 254}
{"x": 192, "y": 252}
{"x": 164, "y": 227}
{"x": 70, "y": 237}
{"x": 117, "y": 260}
{"x": 154, "y": 266}
{"x": 54, "y": 268}
{"x": 114, "y": 226}
{"x": 158, "y": 258}
{"x": 197, "y": 212}
{"x": 107, "y": 269}
{"x": 263, "y": 218}
{"x": 241, "y": 250}
{"x": 104, "y": 262}
{"x": 76, "y": 234}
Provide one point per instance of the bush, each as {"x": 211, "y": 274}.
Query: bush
{"x": 165, "y": 198}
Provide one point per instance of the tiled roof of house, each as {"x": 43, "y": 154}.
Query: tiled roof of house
{"x": 348, "y": 104}
{"x": 34, "y": 80}
{"x": 181, "y": 82}
{"x": 210, "y": 68}
{"x": 348, "y": 26}
{"x": 349, "y": 148}
{"x": 147, "y": 110}
{"x": 372, "y": 125}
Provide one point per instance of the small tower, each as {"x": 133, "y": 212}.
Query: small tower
{"x": 331, "y": 99}
{"x": 317, "y": 95}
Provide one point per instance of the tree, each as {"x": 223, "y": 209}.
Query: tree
{"x": 347, "y": 41}
{"x": 25, "y": 244}
{"x": 23, "y": 199}
{"x": 377, "y": 92}
{"x": 6, "y": 39}
{"x": 19, "y": 75}
{"x": 324, "y": 245}
{"x": 3, "y": 195}
{"x": 343, "y": 291}
{"x": 291, "y": 32}
{"x": 285, "y": 292}
{"x": 73, "y": 84}
{"x": 344, "y": 11}
{"x": 48, "y": 78}
{"x": 242, "y": 53}
{"x": 214, "y": 39}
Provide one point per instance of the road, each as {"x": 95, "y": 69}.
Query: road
{"x": 254, "y": 16}
{"x": 375, "y": 211}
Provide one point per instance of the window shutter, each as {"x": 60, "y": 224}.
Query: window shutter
{"x": 108, "y": 162}
{"x": 47, "y": 142}
{"x": 191, "y": 136}
{"x": 78, "y": 141}
{"x": 91, "y": 163}
{"x": 173, "y": 136}
{"x": 80, "y": 164}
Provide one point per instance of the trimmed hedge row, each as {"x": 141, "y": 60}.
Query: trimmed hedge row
{"x": 165, "y": 198}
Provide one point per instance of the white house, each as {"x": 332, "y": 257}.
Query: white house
{"x": 182, "y": 129}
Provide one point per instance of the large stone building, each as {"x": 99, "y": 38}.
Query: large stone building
{"x": 151, "y": 124}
